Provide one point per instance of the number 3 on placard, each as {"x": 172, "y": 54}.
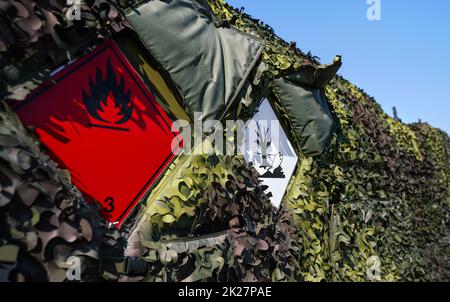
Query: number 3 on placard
{"x": 109, "y": 205}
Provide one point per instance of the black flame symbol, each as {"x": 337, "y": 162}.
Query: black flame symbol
{"x": 103, "y": 91}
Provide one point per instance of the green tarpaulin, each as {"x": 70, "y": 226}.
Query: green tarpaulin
{"x": 302, "y": 96}
{"x": 209, "y": 63}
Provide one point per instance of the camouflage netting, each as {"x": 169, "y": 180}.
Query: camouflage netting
{"x": 211, "y": 196}
{"x": 379, "y": 195}
{"x": 43, "y": 219}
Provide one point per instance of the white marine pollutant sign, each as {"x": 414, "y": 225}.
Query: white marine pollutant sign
{"x": 268, "y": 148}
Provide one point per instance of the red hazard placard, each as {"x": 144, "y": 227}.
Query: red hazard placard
{"x": 98, "y": 120}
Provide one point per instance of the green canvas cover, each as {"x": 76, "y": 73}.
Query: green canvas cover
{"x": 210, "y": 63}
{"x": 302, "y": 96}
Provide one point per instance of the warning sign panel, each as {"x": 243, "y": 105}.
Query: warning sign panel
{"x": 98, "y": 120}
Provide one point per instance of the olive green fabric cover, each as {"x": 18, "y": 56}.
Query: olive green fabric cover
{"x": 302, "y": 96}
{"x": 208, "y": 62}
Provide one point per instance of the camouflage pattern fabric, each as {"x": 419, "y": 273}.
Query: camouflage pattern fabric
{"x": 37, "y": 36}
{"x": 223, "y": 196}
{"x": 44, "y": 220}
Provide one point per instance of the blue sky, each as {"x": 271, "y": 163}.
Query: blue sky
{"x": 401, "y": 60}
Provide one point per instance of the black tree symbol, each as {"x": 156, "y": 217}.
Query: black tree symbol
{"x": 263, "y": 141}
